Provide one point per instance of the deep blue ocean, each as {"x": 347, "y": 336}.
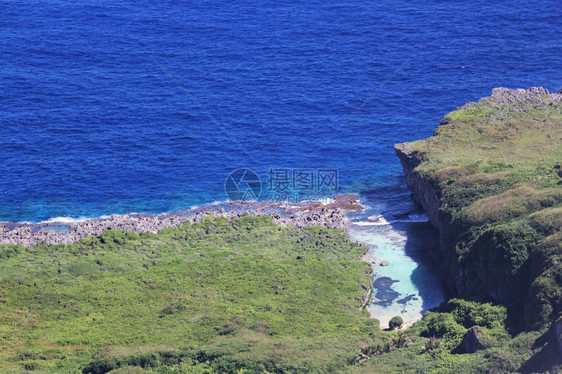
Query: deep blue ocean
{"x": 147, "y": 106}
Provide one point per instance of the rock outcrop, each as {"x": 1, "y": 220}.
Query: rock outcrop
{"x": 428, "y": 194}
{"x": 472, "y": 341}
{"x": 298, "y": 215}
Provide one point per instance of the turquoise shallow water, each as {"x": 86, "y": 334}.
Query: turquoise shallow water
{"x": 397, "y": 232}
{"x": 416, "y": 285}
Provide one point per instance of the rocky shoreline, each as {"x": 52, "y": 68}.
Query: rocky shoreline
{"x": 298, "y": 215}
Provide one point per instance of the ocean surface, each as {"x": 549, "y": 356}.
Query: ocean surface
{"x": 114, "y": 107}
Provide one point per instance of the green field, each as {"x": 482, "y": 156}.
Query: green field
{"x": 496, "y": 168}
{"x": 246, "y": 289}
{"x": 245, "y": 296}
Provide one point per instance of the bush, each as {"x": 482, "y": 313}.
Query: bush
{"x": 395, "y": 323}
{"x": 432, "y": 344}
{"x": 471, "y": 313}
{"x": 129, "y": 370}
{"x": 443, "y": 325}
{"x": 499, "y": 257}
{"x": 148, "y": 360}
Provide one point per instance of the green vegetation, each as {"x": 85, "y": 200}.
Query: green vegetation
{"x": 240, "y": 289}
{"x": 395, "y": 323}
{"x": 249, "y": 296}
{"x": 245, "y": 296}
{"x": 487, "y": 145}
{"x": 495, "y": 168}
{"x": 452, "y": 320}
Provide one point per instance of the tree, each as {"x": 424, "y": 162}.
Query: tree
{"x": 395, "y": 323}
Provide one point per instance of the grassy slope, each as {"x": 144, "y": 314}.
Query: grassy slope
{"x": 245, "y": 296}
{"x": 497, "y": 164}
{"x": 486, "y": 144}
{"x": 499, "y": 172}
{"x": 229, "y": 287}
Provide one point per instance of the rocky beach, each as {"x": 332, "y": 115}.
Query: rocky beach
{"x": 300, "y": 215}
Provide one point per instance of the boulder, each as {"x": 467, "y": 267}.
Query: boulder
{"x": 472, "y": 341}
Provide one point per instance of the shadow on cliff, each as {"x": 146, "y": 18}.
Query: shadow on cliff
{"x": 546, "y": 354}
{"x": 422, "y": 245}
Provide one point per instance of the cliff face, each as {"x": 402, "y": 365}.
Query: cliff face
{"x": 490, "y": 182}
{"x": 425, "y": 193}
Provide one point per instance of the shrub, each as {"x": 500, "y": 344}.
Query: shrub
{"x": 443, "y": 325}
{"x": 130, "y": 370}
{"x": 545, "y": 296}
{"x": 31, "y": 365}
{"x": 547, "y": 220}
{"x": 432, "y": 344}
{"x": 154, "y": 359}
{"x": 9, "y": 250}
{"x": 395, "y": 323}
{"x": 471, "y": 313}
{"x": 518, "y": 201}
{"x": 500, "y": 255}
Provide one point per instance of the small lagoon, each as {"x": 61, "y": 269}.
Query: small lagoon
{"x": 403, "y": 252}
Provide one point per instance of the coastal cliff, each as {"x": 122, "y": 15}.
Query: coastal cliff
{"x": 428, "y": 195}
{"x": 490, "y": 180}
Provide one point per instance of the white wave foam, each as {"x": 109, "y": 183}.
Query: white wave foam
{"x": 373, "y": 221}
{"x": 65, "y": 220}
{"x": 379, "y": 220}
{"x": 419, "y": 217}
{"x": 367, "y": 223}
{"x": 216, "y": 202}
{"x": 68, "y": 220}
